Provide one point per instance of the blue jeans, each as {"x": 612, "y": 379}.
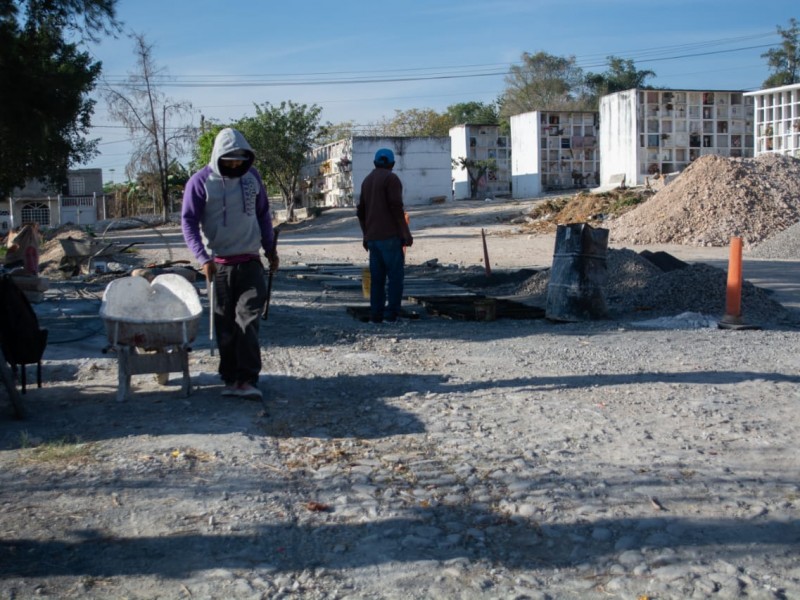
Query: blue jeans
{"x": 386, "y": 261}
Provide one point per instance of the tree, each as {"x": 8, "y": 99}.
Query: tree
{"x": 204, "y": 144}
{"x": 45, "y": 81}
{"x": 784, "y": 61}
{"x": 280, "y": 137}
{"x": 621, "y": 75}
{"x": 544, "y": 82}
{"x": 330, "y": 132}
{"x": 151, "y": 119}
{"x": 476, "y": 113}
{"x": 475, "y": 170}
{"x": 415, "y": 122}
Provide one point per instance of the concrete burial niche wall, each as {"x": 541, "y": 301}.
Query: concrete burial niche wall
{"x": 422, "y": 163}
{"x": 526, "y": 177}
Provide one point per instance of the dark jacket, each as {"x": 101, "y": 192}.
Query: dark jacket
{"x": 380, "y": 208}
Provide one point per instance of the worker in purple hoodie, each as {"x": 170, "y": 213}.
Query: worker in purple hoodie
{"x": 226, "y": 203}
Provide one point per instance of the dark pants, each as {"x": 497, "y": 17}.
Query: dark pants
{"x": 386, "y": 261}
{"x": 240, "y": 295}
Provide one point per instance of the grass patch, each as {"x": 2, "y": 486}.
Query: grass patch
{"x": 68, "y": 450}
{"x": 549, "y": 207}
{"x": 625, "y": 202}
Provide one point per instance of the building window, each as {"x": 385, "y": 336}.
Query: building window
{"x": 77, "y": 186}
{"x": 36, "y": 213}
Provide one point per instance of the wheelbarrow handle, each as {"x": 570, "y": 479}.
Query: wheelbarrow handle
{"x": 212, "y": 307}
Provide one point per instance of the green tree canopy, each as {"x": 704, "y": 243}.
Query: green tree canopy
{"x": 475, "y": 170}
{"x": 45, "y": 81}
{"x": 477, "y": 113}
{"x": 784, "y": 61}
{"x": 621, "y": 75}
{"x": 414, "y": 122}
{"x": 330, "y": 132}
{"x": 281, "y": 136}
{"x": 544, "y": 82}
{"x": 204, "y": 144}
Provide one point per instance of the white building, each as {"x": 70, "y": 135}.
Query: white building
{"x": 554, "y": 150}
{"x": 777, "y": 120}
{"x": 480, "y": 143}
{"x": 80, "y": 202}
{"x": 333, "y": 173}
{"x": 644, "y": 133}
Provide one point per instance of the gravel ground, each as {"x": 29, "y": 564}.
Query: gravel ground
{"x": 432, "y": 458}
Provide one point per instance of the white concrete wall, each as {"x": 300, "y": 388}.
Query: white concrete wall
{"x": 775, "y": 120}
{"x": 422, "y": 163}
{"x": 526, "y": 179}
{"x": 489, "y": 145}
{"x": 458, "y": 149}
{"x": 618, "y": 139}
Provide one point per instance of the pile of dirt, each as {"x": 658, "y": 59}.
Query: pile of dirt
{"x": 583, "y": 207}
{"x": 714, "y": 199}
{"x": 52, "y": 256}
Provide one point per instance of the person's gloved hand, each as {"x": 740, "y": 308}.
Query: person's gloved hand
{"x": 364, "y": 243}
{"x": 274, "y": 261}
{"x": 209, "y": 270}
{"x": 409, "y": 241}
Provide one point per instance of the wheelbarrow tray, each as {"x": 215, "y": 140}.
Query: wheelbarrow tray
{"x": 153, "y": 315}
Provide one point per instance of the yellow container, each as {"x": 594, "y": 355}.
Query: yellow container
{"x": 366, "y": 278}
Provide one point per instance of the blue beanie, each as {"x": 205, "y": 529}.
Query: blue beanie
{"x": 384, "y": 158}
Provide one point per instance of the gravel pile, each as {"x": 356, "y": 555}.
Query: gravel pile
{"x": 716, "y": 198}
{"x": 783, "y": 245}
{"x": 638, "y": 289}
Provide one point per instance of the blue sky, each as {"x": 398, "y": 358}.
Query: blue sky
{"x": 419, "y": 53}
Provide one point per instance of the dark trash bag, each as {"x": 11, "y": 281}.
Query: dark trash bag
{"x": 578, "y": 276}
{"x": 22, "y": 341}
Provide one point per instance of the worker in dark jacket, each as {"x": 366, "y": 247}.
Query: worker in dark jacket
{"x": 386, "y": 234}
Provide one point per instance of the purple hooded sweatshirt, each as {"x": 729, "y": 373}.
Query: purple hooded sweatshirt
{"x": 231, "y": 211}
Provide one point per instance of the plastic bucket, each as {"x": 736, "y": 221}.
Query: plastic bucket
{"x": 366, "y": 279}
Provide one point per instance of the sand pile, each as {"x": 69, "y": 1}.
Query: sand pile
{"x": 714, "y": 199}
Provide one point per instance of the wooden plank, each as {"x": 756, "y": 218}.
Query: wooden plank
{"x": 459, "y": 307}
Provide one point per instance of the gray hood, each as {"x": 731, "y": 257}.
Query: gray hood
{"x": 227, "y": 141}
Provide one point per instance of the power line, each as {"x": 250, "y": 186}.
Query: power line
{"x": 432, "y": 73}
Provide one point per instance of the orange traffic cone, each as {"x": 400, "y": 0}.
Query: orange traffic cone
{"x": 733, "y": 294}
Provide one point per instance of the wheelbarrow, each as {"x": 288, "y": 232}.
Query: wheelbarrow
{"x": 151, "y": 326}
